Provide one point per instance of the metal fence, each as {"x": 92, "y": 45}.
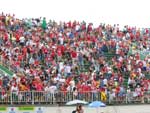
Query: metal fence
{"x": 54, "y": 98}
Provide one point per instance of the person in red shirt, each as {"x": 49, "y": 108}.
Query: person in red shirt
{"x": 140, "y": 64}
{"x": 73, "y": 54}
{"x": 5, "y": 37}
{"x": 63, "y": 89}
{"x": 17, "y": 36}
{"x": 1, "y": 82}
{"x": 131, "y": 37}
{"x": 20, "y": 57}
{"x": 59, "y": 53}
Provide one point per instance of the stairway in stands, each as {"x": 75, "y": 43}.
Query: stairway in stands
{"x": 126, "y": 77}
{"x": 5, "y": 70}
{"x": 109, "y": 56}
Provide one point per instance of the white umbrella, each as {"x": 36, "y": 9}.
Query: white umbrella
{"x": 74, "y": 102}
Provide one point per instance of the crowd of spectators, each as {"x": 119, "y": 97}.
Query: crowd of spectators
{"x": 73, "y": 56}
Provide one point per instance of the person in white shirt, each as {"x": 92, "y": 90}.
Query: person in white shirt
{"x": 67, "y": 70}
{"x": 105, "y": 82}
{"x": 61, "y": 66}
{"x": 14, "y": 90}
{"x": 50, "y": 91}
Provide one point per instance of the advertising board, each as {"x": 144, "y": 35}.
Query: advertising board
{"x": 26, "y": 109}
{"x": 3, "y": 109}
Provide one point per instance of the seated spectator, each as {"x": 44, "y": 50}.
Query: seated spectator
{"x": 73, "y": 56}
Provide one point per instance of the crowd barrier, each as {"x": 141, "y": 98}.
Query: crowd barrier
{"x": 55, "y": 98}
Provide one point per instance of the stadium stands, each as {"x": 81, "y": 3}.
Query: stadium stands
{"x": 73, "y": 57}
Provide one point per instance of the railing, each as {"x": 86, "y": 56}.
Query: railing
{"x": 54, "y": 98}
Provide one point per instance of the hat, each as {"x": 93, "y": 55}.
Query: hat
{"x": 14, "y": 75}
{"x": 89, "y": 84}
{"x": 5, "y": 75}
{"x": 83, "y": 83}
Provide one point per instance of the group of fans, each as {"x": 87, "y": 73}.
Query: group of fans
{"x": 73, "y": 56}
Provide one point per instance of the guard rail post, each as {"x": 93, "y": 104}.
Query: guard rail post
{"x": 11, "y": 101}
{"x": 32, "y": 93}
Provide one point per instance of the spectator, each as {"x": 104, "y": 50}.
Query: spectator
{"x": 73, "y": 56}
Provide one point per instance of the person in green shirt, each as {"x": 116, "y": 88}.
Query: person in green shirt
{"x": 44, "y": 24}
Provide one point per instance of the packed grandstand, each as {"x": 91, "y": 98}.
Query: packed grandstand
{"x": 75, "y": 57}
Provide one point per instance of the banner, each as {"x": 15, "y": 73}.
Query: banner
{"x": 22, "y": 109}
{"x": 26, "y": 109}
{"x": 39, "y": 110}
{"x": 12, "y": 110}
{"x": 3, "y": 109}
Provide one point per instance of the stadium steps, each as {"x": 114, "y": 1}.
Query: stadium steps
{"x": 126, "y": 77}
{"x": 125, "y": 83}
{"x": 85, "y": 68}
{"x": 109, "y": 55}
{"x": 6, "y": 70}
{"x": 147, "y": 75}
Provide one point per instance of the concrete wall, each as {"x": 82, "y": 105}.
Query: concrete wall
{"x": 108, "y": 109}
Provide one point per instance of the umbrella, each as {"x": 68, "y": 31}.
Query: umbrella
{"x": 74, "y": 102}
{"x": 97, "y": 104}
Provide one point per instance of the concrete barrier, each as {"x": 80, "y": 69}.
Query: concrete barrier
{"x": 108, "y": 109}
